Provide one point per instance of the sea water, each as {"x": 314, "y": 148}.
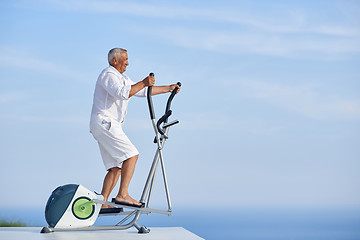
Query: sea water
{"x": 242, "y": 223}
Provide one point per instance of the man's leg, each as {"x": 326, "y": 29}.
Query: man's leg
{"x": 110, "y": 181}
{"x": 128, "y": 168}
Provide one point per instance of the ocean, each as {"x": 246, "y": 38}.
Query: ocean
{"x": 242, "y": 223}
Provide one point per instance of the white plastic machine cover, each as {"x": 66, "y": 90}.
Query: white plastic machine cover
{"x": 81, "y": 211}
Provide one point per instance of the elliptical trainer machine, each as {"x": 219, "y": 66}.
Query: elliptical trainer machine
{"x": 73, "y": 207}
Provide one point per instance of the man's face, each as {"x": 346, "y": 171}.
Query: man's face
{"x": 121, "y": 63}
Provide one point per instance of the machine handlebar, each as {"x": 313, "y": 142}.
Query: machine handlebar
{"x": 164, "y": 118}
{"x": 150, "y": 104}
{"x": 168, "y": 105}
{"x": 168, "y": 112}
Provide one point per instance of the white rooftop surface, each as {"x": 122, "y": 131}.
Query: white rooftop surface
{"x": 158, "y": 233}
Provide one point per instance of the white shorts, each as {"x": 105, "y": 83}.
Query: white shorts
{"x": 115, "y": 146}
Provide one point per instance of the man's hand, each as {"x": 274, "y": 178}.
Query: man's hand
{"x": 173, "y": 86}
{"x": 149, "y": 81}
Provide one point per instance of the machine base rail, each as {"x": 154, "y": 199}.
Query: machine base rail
{"x": 141, "y": 229}
{"x": 143, "y": 210}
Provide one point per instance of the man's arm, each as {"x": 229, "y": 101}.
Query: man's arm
{"x": 164, "y": 89}
{"x": 149, "y": 81}
{"x": 136, "y": 88}
{"x": 160, "y": 89}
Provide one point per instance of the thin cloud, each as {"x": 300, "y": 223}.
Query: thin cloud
{"x": 78, "y": 120}
{"x": 296, "y": 22}
{"x": 237, "y": 31}
{"x": 10, "y": 58}
{"x": 237, "y": 42}
{"x": 11, "y": 97}
{"x": 304, "y": 100}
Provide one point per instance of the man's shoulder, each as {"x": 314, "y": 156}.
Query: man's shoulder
{"x": 109, "y": 73}
{"x": 110, "y": 70}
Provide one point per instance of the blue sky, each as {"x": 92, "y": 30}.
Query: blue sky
{"x": 269, "y": 110}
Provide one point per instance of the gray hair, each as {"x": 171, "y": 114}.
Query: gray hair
{"x": 115, "y": 53}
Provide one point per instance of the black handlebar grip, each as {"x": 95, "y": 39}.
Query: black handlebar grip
{"x": 150, "y": 104}
{"x": 171, "y": 98}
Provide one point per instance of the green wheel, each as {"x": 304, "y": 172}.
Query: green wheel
{"x": 83, "y": 208}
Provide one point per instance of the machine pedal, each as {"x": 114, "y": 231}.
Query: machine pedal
{"x": 110, "y": 210}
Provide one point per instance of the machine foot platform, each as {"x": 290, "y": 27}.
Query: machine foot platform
{"x": 110, "y": 210}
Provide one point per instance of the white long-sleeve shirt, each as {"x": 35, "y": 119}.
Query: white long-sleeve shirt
{"x": 111, "y": 95}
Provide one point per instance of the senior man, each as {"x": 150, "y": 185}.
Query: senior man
{"x": 113, "y": 91}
